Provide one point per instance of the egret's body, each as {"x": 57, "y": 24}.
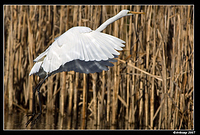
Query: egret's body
{"x": 80, "y": 49}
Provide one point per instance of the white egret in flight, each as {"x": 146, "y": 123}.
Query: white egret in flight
{"x": 79, "y": 49}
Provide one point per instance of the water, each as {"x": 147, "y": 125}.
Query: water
{"x": 17, "y": 121}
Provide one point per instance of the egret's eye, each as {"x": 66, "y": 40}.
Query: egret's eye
{"x": 129, "y": 12}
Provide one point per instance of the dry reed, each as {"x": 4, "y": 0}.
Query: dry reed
{"x": 150, "y": 87}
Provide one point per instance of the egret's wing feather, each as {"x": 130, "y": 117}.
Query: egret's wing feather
{"x": 94, "y": 50}
{"x": 94, "y": 44}
{"x": 113, "y": 60}
{"x": 106, "y": 63}
{"x": 82, "y": 66}
{"x": 81, "y": 44}
{"x": 116, "y": 43}
{"x": 106, "y": 50}
{"x": 106, "y": 45}
{"x": 114, "y": 39}
{"x": 62, "y": 39}
{"x": 84, "y": 44}
{"x": 53, "y": 60}
{"x": 91, "y": 53}
{"x": 35, "y": 68}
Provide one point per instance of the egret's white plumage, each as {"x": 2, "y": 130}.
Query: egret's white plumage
{"x": 80, "y": 49}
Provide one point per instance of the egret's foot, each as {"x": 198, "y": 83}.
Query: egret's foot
{"x": 33, "y": 119}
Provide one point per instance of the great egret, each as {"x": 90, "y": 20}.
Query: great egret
{"x": 80, "y": 49}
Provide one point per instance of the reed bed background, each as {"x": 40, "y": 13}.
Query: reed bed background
{"x": 150, "y": 87}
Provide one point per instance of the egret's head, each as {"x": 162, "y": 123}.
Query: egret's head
{"x": 128, "y": 13}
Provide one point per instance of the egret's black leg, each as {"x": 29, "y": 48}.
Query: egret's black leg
{"x": 33, "y": 107}
{"x": 32, "y": 119}
{"x": 40, "y": 105}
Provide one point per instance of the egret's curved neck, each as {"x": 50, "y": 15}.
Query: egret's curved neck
{"x": 109, "y": 21}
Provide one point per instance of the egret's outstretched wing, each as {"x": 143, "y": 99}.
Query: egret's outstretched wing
{"x": 82, "y": 48}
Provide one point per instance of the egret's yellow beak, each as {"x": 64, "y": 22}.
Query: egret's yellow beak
{"x": 136, "y": 12}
